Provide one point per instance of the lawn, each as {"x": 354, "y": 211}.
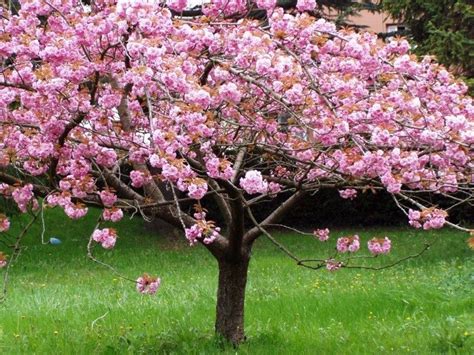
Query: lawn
{"x": 61, "y": 302}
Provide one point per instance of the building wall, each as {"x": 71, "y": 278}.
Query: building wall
{"x": 370, "y": 21}
{"x": 375, "y": 22}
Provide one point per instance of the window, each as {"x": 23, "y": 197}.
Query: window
{"x": 395, "y": 30}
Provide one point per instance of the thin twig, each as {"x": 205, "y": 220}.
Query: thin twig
{"x": 91, "y": 256}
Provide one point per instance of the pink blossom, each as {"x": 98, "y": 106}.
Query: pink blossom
{"x": 197, "y": 189}
{"x": 200, "y": 97}
{"x": 434, "y": 218}
{"x": 108, "y": 198}
{"x": 322, "y": 234}
{"x": 379, "y": 246}
{"x": 263, "y": 65}
{"x": 4, "y": 223}
{"x": 230, "y": 92}
{"x": 219, "y": 168}
{"x": 393, "y": 185}
{"x": 23, "y": 196}
{"x": 333, "y": 265}
{"x": 75, "y": 211}
{"x": 348, "y": 244}
{"x": 106, "y": 237}
{"x": 414, "y": 218}
{"x": 112, "y": 214}
{"x": 295, "y": 94}
{"x": 147, "y": 284}
{"x": 107, "y": 158}
{"x": 211, "y": 235}
{"x": 139, "y": 178}
{"x": 110, "y": 100}
{"x": 253, "y": 182}
{"x": 429, "y": 218}
{"x": 274, "y": 188}
{"x": 266, "y": 4}
{"x": 348, "y": 193}
{"x": 193, "y": 234}
{"x": 177, "y": 5}
{"x": 139, "y": 156}
{"x": 226, "y": 7}
{"x": 204, "y": 231}
{"x": 306, "y": 5}
{"x": 170, "y": 172}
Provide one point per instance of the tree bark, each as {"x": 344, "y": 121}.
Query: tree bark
{"x": 231, "y": 298}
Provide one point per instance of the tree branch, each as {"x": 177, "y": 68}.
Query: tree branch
{"x": 274, "y": 217}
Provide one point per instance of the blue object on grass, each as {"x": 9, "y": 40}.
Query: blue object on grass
{"x": 55, "y": 241}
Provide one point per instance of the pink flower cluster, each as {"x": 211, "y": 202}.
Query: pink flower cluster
{"x": 75, "y": 210}
{"x": 23, "y": 196}
{"x": 348, "y": 193}
{"x": 108, "y": 198}
{"x": 225, "y": 7}
{"x": 253, "y": 182}
{"x": 72, "y": 210}
{"x": 4, "y": 223}
{"x": 113, "y": 214}
{"x": 197, "y": 189}
{"x": 266, "y": 4}
{"x": 230, "y": 92}
{"x": 202, "y": 229}
{"x": 106, "y": 237}
{"x": 429, "y": 218}
{"x": 219, "y": 168}
{"x": 322, "y": 234}
{"x": 379, "y": 245}
{"x": 177, "y": 5}
{"x": 333, "y": 265}
{"x": 139, "y": 178}
{"x": 147, "y": 284}
{"x": 306, "y": 5}
{"x": 348, "y": 244}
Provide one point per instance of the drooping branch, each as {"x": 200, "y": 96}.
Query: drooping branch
{"x": 12, "y": 180}
{"x": 322, "y": 262}
{"x": 423, "y": 207}
{"x": 262, "y": 230}
{"x": 91, "y": 256}
{"x": 274, "y": 217}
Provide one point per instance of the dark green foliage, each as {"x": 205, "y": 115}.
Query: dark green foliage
{"x": 444, "y": 28}
{"x": 345, "y": 8}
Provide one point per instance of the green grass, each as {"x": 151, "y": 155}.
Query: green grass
{"x": 61, "y": 302}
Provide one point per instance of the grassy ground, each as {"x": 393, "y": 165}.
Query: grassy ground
{"x": 60, "y": 302}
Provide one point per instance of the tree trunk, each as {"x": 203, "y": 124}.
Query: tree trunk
{"x": 231, "y": 298}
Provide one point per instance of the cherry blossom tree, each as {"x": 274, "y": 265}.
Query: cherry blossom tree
{"x": 133, "y": 107}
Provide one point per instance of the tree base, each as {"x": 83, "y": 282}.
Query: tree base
{"x": 231, "y": 299}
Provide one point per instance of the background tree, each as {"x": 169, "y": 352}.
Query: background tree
{"x": 131, "y": 107}
{"x": 444, "y": 28}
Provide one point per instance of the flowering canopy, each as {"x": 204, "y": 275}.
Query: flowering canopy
{"x": 130, "y": 105}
